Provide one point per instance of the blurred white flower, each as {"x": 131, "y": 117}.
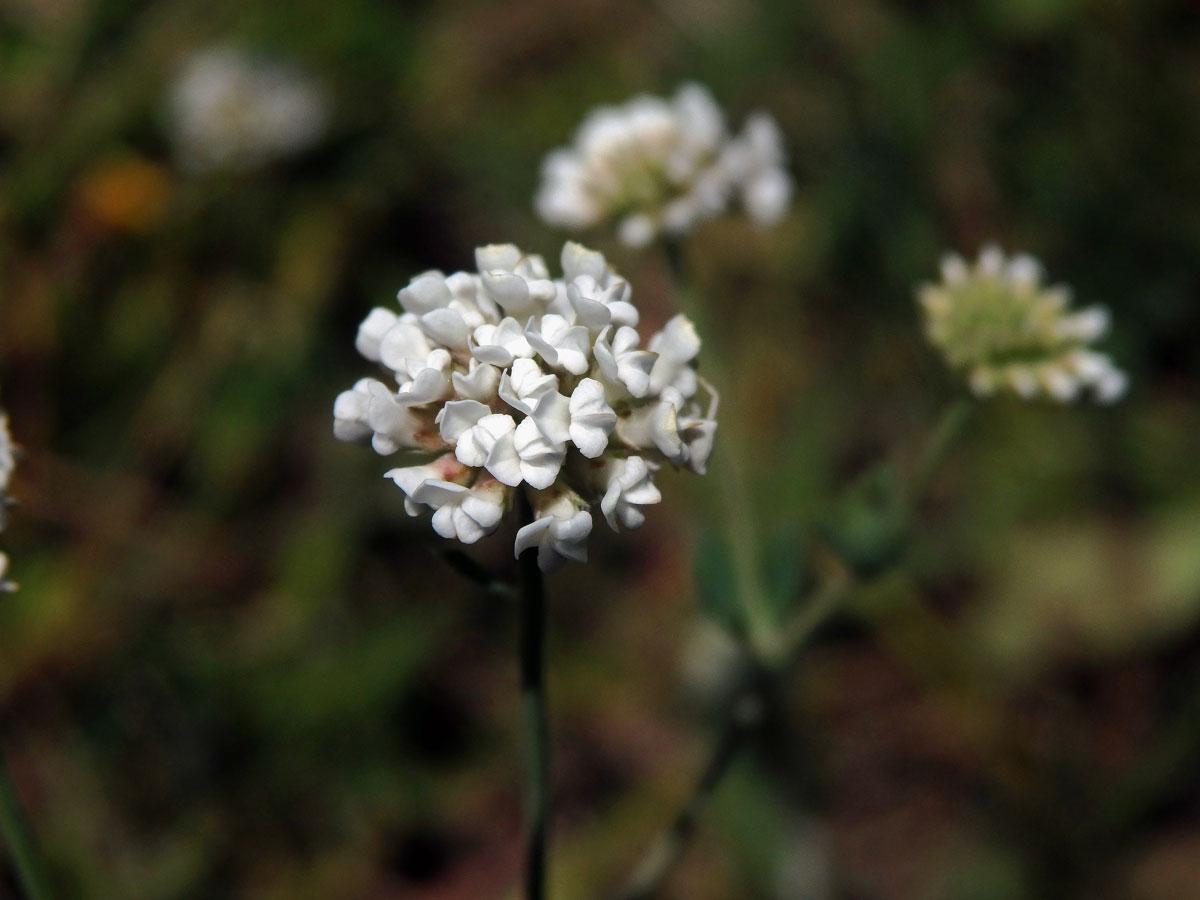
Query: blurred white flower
{"x": 654, "y": 166}
{"x": 7, "y": 455}
{"x": 229, "y": 110}
{"x": 996, "y": 323}
{"x": 503, "y": 380}
{"x": 7, "y": 464}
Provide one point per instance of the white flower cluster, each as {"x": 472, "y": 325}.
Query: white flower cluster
{"x": 7, "y": 463}
{"x": 657, "y": 166}
{"x": 232, "y": 111}
{"x": 506, "y": 378}
{"x": 997, "y": 323}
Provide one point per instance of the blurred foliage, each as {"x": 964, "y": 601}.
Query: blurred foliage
{"x": 237, "y": 669}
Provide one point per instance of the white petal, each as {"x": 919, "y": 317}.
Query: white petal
{"x": 1112, "y": 386}
{"x": 425, "y": 293}
{"x": 350, "y": 416}
{"x": 1024, "y": 272}
{"x": 1086, "y": 325}
{"x": 511, "y": 292}
{"x": 1060, "y": 384}
{"x": 479, "y": 383}
{"x": 403, "y": 342}
{"x": 630, "y": 485}
{"x": 636, "y": 231}
{"x": 485, "y": 507}
{"x": 429, "y": 386}
{"x": 592, "y": 419}
{"x": 475, "y": 445}
{"x": 529, "y": 536}
{"x": 677, "y": 341}
{"x": 991, "y": 261}
{"x": 1023, "y": 381}
{"x": 394, "y": 424}
{"x": 521, "y": 387}
{"x": 605, "y": 359}
{"x": 552, "y": 414}
{"x": 569, "y": 539}
{"x": 540, "y": 459}
{"x": 502, "y": 257}
{"x": 502, "y": 460}
{"x": 436, "y": 493}
{"x": 698, "y": 436}
{"x": 447, "y": 327}
{"x": 458, "y": 416}
{"x": 371, "y": 332}
{"x": 766, "y": 197}
{"x": 579, "y": 260}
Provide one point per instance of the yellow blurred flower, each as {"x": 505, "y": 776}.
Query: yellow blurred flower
{"x": 125, "y": 193}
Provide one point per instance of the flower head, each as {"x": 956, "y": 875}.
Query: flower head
{"x": 504, "y": 379}
{"x": 996, "y": 323}
{"x": 229, "y": 110}
{"x": 655, "y": 166}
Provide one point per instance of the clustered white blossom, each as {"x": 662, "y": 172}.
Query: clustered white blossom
{"x": 996, "y": 322}
{"x": 655, "y": 166}
{"x": 505, "y": 380}
{"x": 229, "y": 110}
{"x": 7, "y": 463}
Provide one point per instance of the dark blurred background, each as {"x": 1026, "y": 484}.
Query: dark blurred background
{"x": 236, "y": 669}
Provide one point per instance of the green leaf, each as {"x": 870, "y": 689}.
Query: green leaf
{"x": 716, "y": 581}
{"x": 785, "y": 569}
{"x": 868, "y": 527}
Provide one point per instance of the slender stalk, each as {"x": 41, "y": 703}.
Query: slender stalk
{"x": 784, "y": 652}
{"x": 670, "y": 844}
{"x": 747, "y": 715}
{"x": 737, "y": 515}
{"x": 949, "y": 429}
{"x": 534, "y": 716}
{"x": 823, "y": 602}
{"x": 21, "y": 848}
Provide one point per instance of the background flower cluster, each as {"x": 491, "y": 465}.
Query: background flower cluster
{"x": 654, "y": 167}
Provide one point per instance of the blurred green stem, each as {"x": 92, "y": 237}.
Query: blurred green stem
{"x": 19, "y": 840}
{"x": 668, "y": 847}
{"x": 949, "y": 429}
{"x": 534, "y": 715}
{"x": 824, "y": 601}
{"x": 736, "y": 514}
{"x": 744, "y": 720}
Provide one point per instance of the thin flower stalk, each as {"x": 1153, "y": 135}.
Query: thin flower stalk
{"x": 737, "y": 515}
{"x": 535, "y": 719}
{"x": 22, "y": 849}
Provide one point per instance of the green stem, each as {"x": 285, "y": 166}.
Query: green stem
{"x": 747, "y": 715}
{"x": 736, "y": 513}
{"x": 780, "y": 655}
{"x": 823, "y": 603}
{"x": 949, "y": 429}
{"x": 669, "y": 846}
{"x": 19, "y": 840}
{"x": 534, "y": 716}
